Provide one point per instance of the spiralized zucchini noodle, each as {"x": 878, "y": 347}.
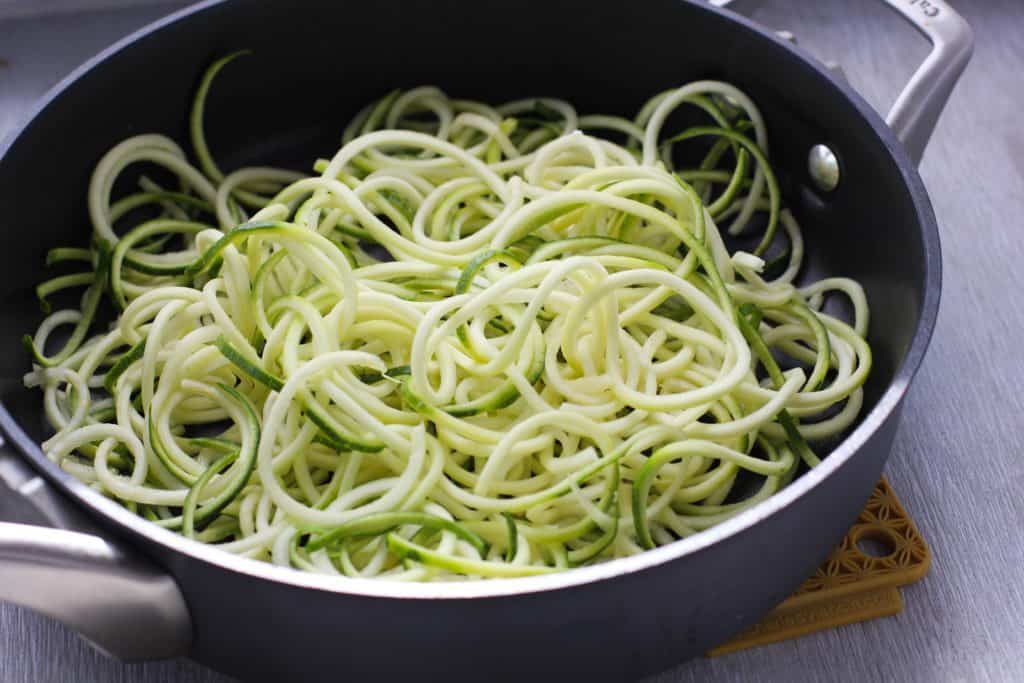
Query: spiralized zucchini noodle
{"x": 479, "y": 342}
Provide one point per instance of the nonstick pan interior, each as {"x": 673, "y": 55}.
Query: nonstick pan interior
{"x": 288, "y": 103}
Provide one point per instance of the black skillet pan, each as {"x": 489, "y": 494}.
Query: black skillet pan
{"x": 139, "y": 592}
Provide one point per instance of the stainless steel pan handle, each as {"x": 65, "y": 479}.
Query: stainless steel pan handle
{"x": 916, "y": 110}
{"x": 914, "y": 114}
{"x": 121, "y": 603}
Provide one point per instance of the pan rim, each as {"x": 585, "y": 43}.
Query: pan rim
{"x": 133, "y": 526}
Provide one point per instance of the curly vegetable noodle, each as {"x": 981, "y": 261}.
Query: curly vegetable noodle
{"x": 481, "y": 342}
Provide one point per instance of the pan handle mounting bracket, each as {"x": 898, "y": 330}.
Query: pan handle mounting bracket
{"x": 117, "y": 600}
{"x": 917, "y": 108}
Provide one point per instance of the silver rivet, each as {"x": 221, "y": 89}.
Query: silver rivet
{"x": 823, "y": 167}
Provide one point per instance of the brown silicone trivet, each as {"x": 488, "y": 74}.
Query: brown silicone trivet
{"x": 851, "y": 585}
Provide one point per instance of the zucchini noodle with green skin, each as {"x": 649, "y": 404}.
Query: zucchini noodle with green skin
{"x": 479, "y": 342}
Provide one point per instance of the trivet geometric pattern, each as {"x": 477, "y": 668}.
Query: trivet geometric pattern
{"x": 858, "y": 581}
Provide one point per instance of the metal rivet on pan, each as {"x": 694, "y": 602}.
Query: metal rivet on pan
{"x": 823, "y": 167}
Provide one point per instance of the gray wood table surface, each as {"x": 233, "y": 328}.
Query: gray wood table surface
{"x": 957, "y": 463}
